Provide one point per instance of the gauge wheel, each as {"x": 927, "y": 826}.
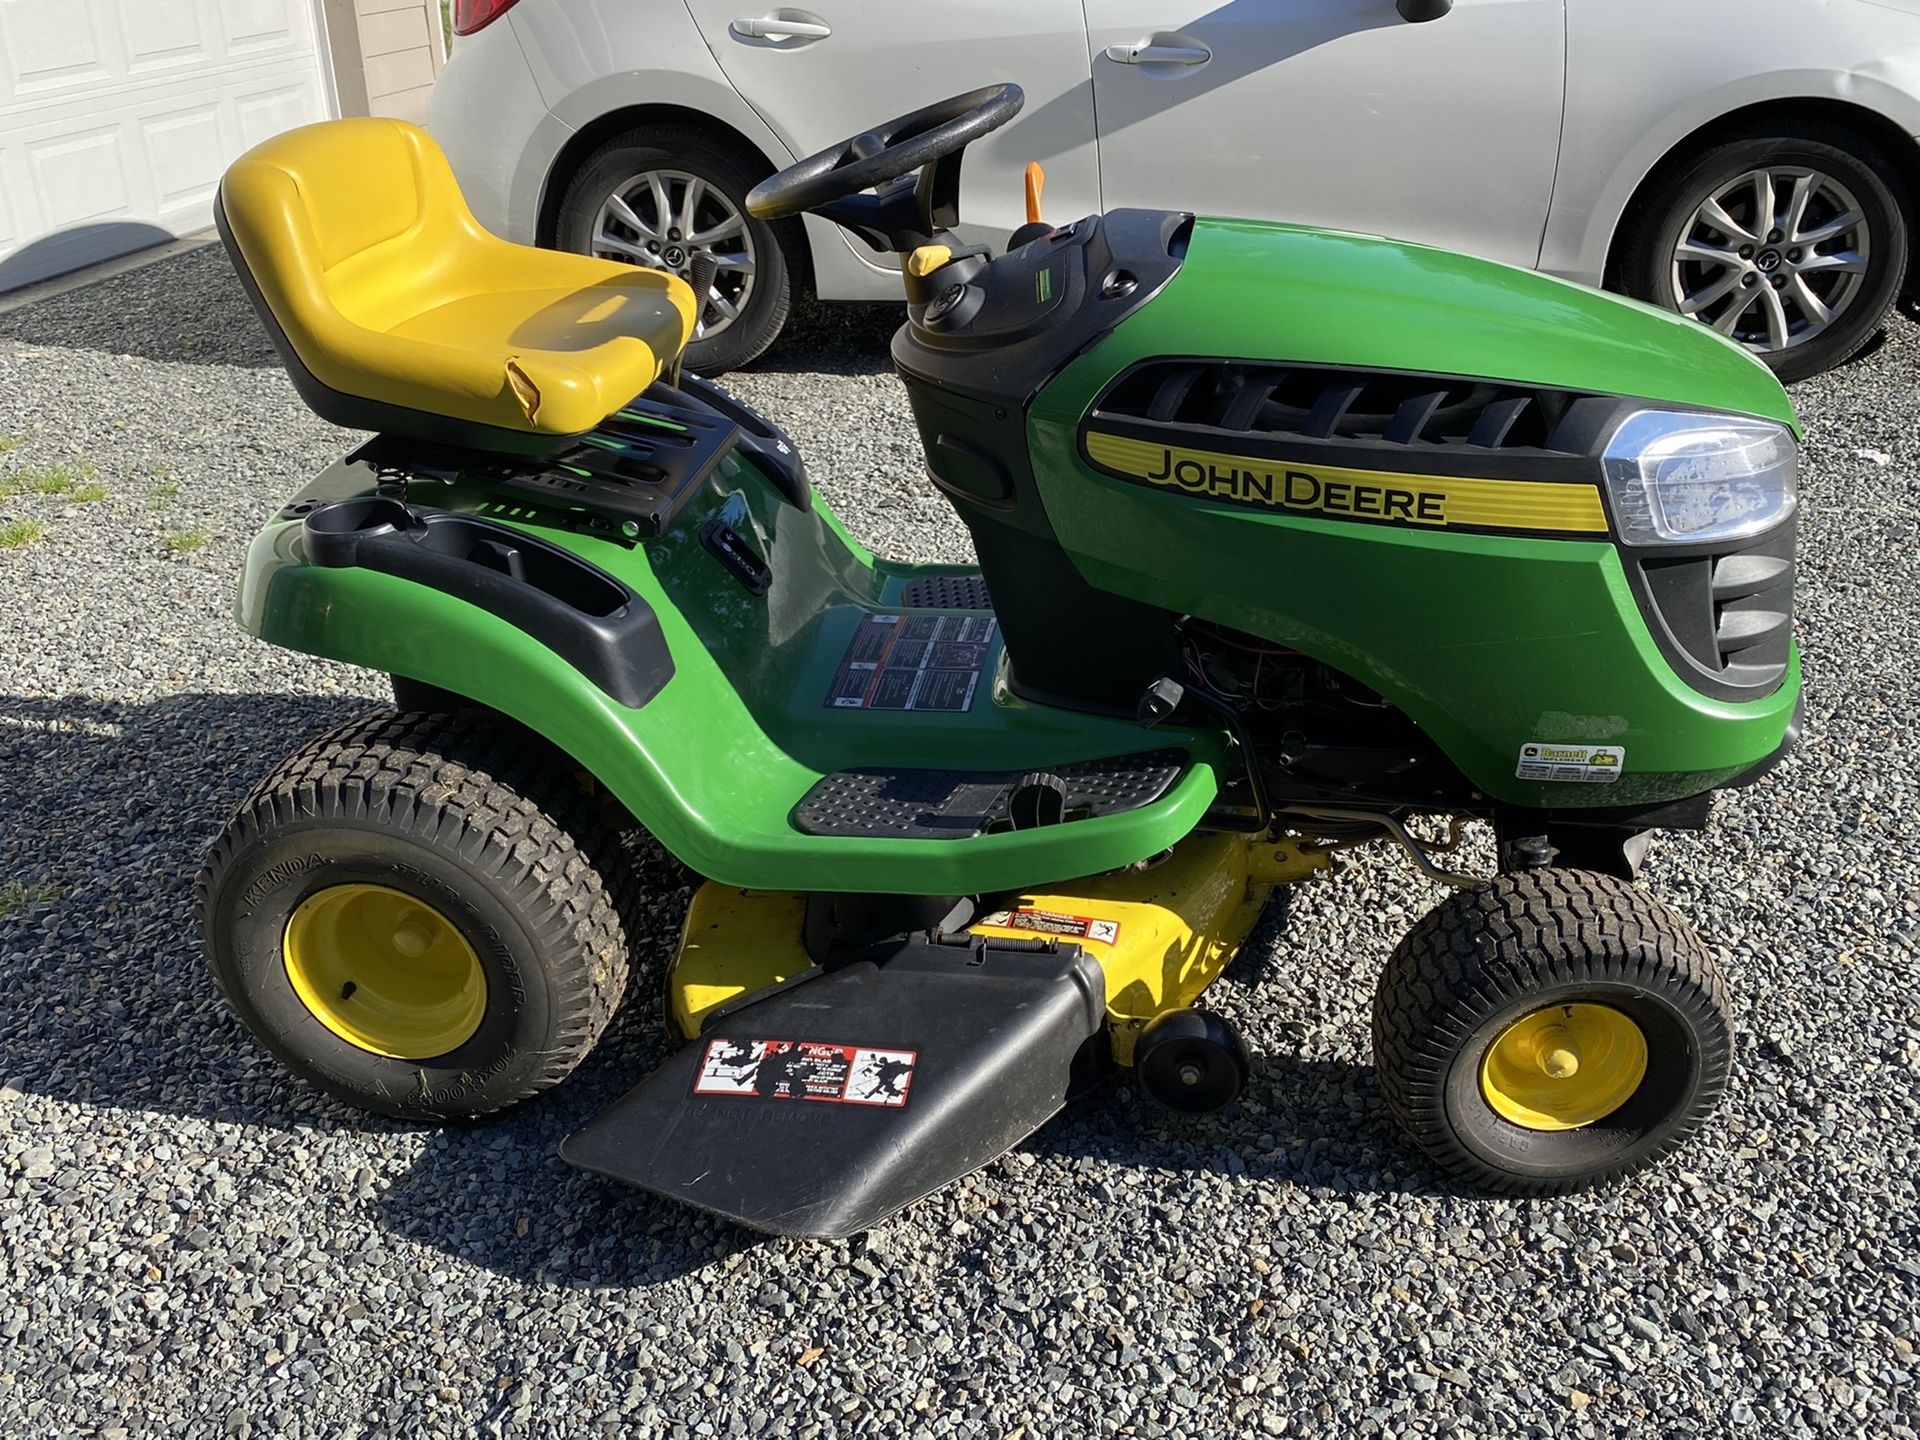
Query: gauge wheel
{"x": 1192, "y": 1062}
{"x": 659, "y": 196}
{"x": 1792, "y": 239}
{"x": 422, "y": 915}
{"x": 1551, "y": 1031}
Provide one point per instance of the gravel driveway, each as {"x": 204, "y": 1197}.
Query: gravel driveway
{"x": 193, "y": 1244}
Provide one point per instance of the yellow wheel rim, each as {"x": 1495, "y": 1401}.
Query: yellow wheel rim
{"x": 1564, "y": 1067}
{"x": 384, "y": 971}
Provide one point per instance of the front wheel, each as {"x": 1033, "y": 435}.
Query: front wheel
{"x": 659, "y": 196}
{"x": 421, "y": 915}
{"x": 1552, "y": 1030}
{"x": 1790, "y": 237}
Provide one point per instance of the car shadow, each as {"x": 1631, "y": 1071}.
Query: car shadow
{"x": 105, "y": 1002}
{"x": 832, "y": 338}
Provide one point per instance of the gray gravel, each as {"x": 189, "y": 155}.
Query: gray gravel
{"x": 193, "y": 1244}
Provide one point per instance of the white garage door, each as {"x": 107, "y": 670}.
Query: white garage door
{"x": 117, "y": 117}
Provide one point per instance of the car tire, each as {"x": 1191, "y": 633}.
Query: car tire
{"x": 1853, "y": 169}
{"x": 679, "y": 153}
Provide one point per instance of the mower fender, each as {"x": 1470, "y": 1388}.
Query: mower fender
{"x": 693, "y": 765}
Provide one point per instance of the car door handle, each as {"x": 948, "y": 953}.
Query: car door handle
{"x": 1159, "y": 54}
{"x": 773, "y": 27}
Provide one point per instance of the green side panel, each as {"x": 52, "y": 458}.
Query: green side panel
{"x": 1489, "y": 642}
{"x": 714, "y": 764}
{"x": 1255, "y": 291}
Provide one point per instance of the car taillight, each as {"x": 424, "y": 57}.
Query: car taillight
{"x": 472, "y": 15}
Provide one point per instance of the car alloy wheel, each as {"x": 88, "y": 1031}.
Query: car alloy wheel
{"x": 1773, "y": 257}
{"x": 662, "y": 219}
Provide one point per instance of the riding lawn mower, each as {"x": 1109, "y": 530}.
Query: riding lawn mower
{"x": 1288, "y": 541}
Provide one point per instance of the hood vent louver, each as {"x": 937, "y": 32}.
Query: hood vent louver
{"x": 1324, "y": 403}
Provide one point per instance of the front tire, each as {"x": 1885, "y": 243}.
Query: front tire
{"x": 633, "y": 200}
{"x": 1551, "y": 1031}
{"x": 1737, "y": 236}
{"x": 420, "y": 915}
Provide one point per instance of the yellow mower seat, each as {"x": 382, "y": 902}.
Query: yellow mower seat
{"x": 396, "y": 311}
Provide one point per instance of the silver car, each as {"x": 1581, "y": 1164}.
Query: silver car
{"x": 1751, "y": 163}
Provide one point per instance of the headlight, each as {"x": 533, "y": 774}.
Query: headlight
{"x": 1679, "y": 478}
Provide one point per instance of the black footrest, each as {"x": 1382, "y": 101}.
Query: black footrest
{"x": 959, "y": 804}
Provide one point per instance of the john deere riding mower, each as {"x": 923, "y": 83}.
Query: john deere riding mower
{"x": 1289, "y": 541}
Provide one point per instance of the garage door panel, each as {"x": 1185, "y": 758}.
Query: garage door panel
{"x": 255, "y": 26}
{"x": 80, "y": 176}
{"x": 117, "y": 117}
{"x": 267, "y": 111}
{"x": 51, "y": 48}
{"x": 13, "y": 182}
{"x": 162, "y": 35}
{"x": 185, "y": 153}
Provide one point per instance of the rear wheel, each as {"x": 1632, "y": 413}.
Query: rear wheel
{"x": 421, "y": 915}
{"x": 660, "y": 195}
{"x": 1790, "y": 237}
{"x": 1552, "y": 1030}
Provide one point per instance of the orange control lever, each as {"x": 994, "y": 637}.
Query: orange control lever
{"x": 1036, "y": 182}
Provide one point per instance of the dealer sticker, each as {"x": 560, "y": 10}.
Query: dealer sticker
{"x": 806, "y": 1070}
{"x": 1571, "y": 764}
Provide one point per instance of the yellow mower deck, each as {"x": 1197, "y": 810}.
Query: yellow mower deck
{"x": 1160, "y": 935}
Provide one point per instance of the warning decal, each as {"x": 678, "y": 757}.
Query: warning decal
{"x": 1052, "y": 922}
{"x": 1573, "y": 764}
{"x": 806, "y": 1070}
{"x": 914, "y": 662}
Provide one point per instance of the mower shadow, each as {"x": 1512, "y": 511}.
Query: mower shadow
{"x": 496, "y": 1196}
{"x": 104, "y": 1002}
{"x": 104, "y": 999}
{"x": 1302, "y": 1122}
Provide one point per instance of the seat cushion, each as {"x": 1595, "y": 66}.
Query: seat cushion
{"x": 584, "y": 352}
{"x": 386, "y": 291}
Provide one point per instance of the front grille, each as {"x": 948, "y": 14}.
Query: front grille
{"x": 1722, "y": 616}
{"x": 1725, "y": 615}
{"x": 1309, "y": 402}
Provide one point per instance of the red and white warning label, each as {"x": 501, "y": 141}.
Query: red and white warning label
{"x": 806, "y": 1070}
{"x": 1052, "y": 922}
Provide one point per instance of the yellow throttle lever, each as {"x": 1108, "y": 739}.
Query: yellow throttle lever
{"x": 1036, "y": 182}
{"x": 925, "y": 259}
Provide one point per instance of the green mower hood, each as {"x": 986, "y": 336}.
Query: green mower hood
{"x": 1360, "y": 301}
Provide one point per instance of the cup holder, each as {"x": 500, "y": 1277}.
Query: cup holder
{"x": 333, "y": 532}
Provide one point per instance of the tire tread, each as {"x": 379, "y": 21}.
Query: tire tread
{"x": 488, "y": 791}
{"x": 1524, "y": 933}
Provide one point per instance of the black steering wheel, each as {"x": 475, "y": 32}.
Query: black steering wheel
{"x": 885, "y": 152}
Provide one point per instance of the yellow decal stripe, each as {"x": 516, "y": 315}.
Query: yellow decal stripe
{"x": 1313, "y": 489}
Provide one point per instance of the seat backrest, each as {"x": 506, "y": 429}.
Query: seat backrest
{"x": 340, "y": 221}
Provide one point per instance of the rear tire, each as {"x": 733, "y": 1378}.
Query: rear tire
{"x": 467, "y": 831}
{"x": 731, "y": 171}
{"x": 1664, "y": 212}
{"x": 1495, "y": 971}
